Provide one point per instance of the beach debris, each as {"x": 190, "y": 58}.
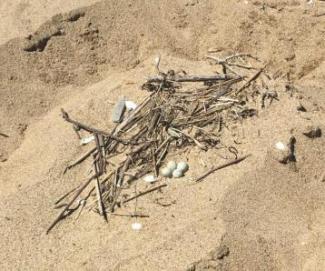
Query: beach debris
{"x": 221, "y": 252}
{"x": 322, "y": 177}
{"x": 233, "y": 162}
{"x": 3, "y": 157}
{"x": 3, "y": 135}
{"x": 130, "y": 105}
{"x": 136, "y": 226}
{"x": 87, "y": 140}
{"x": 181, "y": 111}
{"x": 312, "y": 131}
{"x": 149, "y": 178}
{"x": 270, "y": 95}
{"x": 301, "y": 108}
{"x": 118, "y": 110}
{"x": 284, "y": 152}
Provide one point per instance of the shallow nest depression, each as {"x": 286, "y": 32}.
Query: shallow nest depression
{"x": 180, "y": 111}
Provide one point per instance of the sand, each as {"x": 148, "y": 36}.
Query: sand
{"x": 258, "y": 215}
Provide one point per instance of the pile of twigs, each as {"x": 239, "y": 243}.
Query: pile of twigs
{"x": 175, "y": 115}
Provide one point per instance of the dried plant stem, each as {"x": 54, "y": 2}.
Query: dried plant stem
{"x": 233, "y": 162}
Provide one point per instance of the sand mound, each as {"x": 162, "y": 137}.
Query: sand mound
{"x": 265, "y": 214}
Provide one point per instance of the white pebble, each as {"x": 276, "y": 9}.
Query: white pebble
{"x": 182, "y": 166}
{"x": 136, "y": 226}
{"x": 166, "y": 172}
{"x": 280, "y": 146}
{"x": 177, "y": 173}
{"x": 172, "y": 165}
{"x": 149, "y": 179}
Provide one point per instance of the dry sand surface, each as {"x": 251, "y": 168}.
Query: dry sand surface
{"x": 257, "y": 215}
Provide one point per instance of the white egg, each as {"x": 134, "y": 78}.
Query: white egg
{"x": 182, "y": 166}
{"x": 177, "y": 173}
{"x": 166, "y": 172}
{"x": 172, "y": 165}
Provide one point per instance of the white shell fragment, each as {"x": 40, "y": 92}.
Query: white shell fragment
{"x": 177, "y": 173}
{"x": 130, "y": 105}
{"x": 166, "y": 172}
{"x": 149, "y": 179}
{"x": 281, "y": 152}
{"x": 280, "y": 146}
{"x": 136, "y": 226}
{"x": 172, "y": 132}
{"x": 86, "y": 140}
{"x": 182, "y": 166}
{"x": 172, "y": 165}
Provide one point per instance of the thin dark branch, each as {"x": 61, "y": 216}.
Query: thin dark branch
{"x": 62, "y": 214}
{"x": 144, "y": 193}
{"x": 4, "y": 135}
{"x": 194, "y": 78}
{"x": 233, "y": 162}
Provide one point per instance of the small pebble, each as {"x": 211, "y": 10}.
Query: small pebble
{"x": 177, "y": 173}
{"x": 312, "y": 132}
{"x": 283, "y": 152}
{"x": 136, "y": 226}
{"x": 281, "y": 146}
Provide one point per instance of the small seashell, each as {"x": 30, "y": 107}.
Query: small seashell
{"x": 172, "y": 165}
{"x": 177, "y": 173}
{"x": 149, "y": 179}
{"x": 130, "y": 105}
{"x": 166, "y": 172}
{"x": 182, "y": 166}
{"x": 136, "y": 226}
{"x": 86, "y": 140}
{"x": 174, "y": 133}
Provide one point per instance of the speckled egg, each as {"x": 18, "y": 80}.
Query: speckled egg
{"x": 172, "y": 165}
{"x": 182, "y": 166}
{"x": 166, "y": 172}
{"x": 177, "y": 173}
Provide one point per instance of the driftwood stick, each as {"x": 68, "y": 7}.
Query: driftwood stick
{"x": 131, "y": 215}
{"x": 61, "y": 215}
{"x": 194, "y": 78}
{"x": 233, "y": 162}
{"x": 132, "y": 115}
{"x": 144, "y": 193}
{"x": 92, "y": 130}
{"x": 247, "y": 84}
{"x": 101, "y": 207}
{"x": 80, "y": 160}
{"x": 66, "y": 194}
